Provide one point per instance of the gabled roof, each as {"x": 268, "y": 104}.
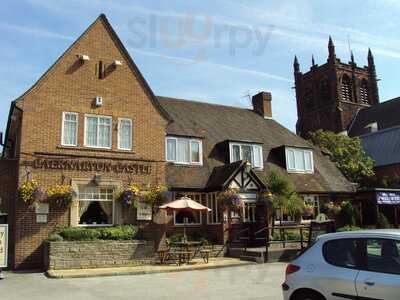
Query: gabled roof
{"x": 383, "y": 146}
{"x": 102, "y": 18}
{"x": 218, "y": 123}
{"x": 385, "y": 114}
{"x": 221, "y": 176}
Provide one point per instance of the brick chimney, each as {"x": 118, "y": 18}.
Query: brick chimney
{"x": 262, "y": 104}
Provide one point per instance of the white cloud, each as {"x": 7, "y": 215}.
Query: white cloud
{"x": 38, "y": 32}
{"x": 187, "y": 61}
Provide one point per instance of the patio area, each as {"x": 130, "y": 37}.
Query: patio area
{"x": 194, "y": 264}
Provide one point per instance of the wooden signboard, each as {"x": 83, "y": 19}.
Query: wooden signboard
{"x": 144, "y": 212}
{"x": 3, "y": 245}
{"x": 319, "y": 228}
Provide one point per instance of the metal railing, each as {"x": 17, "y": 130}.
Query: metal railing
{"x": 268, "y": 232}
{"x": 240, "y": 237}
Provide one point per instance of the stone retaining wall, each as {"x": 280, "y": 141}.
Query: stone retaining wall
{"x": 97, "y": 254}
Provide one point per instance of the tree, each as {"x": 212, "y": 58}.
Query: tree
{"x": 347, "y": 153}
{"x": 283, "y": 195}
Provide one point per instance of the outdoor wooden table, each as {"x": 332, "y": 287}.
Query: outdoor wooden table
{"x": 205, "y": 255}
{"x": 186, "y": 245}
{"x": 163, "y": 254}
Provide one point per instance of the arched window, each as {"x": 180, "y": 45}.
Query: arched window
{"x": 347, "y": 95}
{"x": 308, "y": 98}
{"x": 364, "y": 92}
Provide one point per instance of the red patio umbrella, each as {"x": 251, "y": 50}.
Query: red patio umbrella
{"x": 185, "y": 204}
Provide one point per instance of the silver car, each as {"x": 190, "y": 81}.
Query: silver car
{"x": 347, "y": 265}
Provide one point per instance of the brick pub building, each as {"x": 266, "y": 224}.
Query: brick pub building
{"x": 92, "y": 122}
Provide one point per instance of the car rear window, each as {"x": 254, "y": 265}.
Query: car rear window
{"x": 341, "y": 253}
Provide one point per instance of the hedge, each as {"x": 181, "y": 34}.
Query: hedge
{"x": 123, "y": 232}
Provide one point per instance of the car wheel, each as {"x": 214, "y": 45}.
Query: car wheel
{"x": 308, "y": 295}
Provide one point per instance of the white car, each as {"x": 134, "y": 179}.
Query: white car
{"x": 347, "y": 265}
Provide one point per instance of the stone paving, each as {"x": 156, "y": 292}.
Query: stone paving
{"x": 196, "y": 264}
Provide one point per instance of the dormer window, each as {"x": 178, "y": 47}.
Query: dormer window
{"x": 182, "y": 150}
{"x": 299, "y": 160}
{"x": 250, "y": 152}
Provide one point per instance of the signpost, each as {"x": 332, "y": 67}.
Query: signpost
{"x": 3, "y": 247}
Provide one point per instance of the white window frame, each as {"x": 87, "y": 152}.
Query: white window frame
{"x": 98, "y": 117}
{"x": 190, "y": 140}
{"x": 98, "y": 200}
{"x": 212, "y": 203}
{"x": 62, "y": 128}
{"x": 296, "y": 169}
{"x": 119, "y": 131}
{"x": 241, "y": 153}
{"x": 191, "y": 196}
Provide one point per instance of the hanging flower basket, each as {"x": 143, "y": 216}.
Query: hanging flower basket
{"x": 152, "y": 195}
{"x": 61, "y": 195}
{"x": 230, "y": 199}
{"x": 332, "y": 209}
{"x": 30, "y": 193}
{"x": 308, "y": 210}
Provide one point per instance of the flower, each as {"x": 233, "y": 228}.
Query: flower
{"x": 61, "y": 195}
{"x": 28, "y": 192}
{"x": 231, "y": 199}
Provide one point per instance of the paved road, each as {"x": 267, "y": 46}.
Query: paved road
{"x": 244, "y": 282}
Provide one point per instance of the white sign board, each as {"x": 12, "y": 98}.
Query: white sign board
{"x": 42, "y": 208}
{"x": 3, "y": 245}
{"x": 388, "y": 198}
{"x": 144, "y": 212}
{"x": 41, "y": 218}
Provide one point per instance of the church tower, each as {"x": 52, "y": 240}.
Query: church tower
{"x": 330, "y": 95}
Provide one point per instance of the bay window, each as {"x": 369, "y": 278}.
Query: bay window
{"x": 69, "y": 129}
{"x": 98, "y": 131}
{"x": 124, "y": 134}
{"x": 96, "y": 206}
{"x": 299, "y": 160}
{"x": 250, "y": 152}
{"x": 184, "y": 150}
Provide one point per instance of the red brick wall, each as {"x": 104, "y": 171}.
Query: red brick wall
{"x": 72, "y": 86}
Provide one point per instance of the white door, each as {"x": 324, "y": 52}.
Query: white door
{"x": 381, "y": 279}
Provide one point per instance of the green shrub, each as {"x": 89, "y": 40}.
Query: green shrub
{"x": 126, "y": 232}
{"x": 79, "y": 234}
{"x": 349, "y": 214}
{"x": 194, "y": 237}
{"x": 55, "y": 237}
{"x": 290, "y": 234}
{"x": 123, "y": 232}
{"x": 382, "y": 222}
{"x": 349, "y": 228}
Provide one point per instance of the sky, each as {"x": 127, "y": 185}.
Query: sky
{"x": 218, "y": 51}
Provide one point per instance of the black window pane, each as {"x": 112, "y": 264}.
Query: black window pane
{"x": 383, "y": 256}
{"x": 341, "y": 253}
